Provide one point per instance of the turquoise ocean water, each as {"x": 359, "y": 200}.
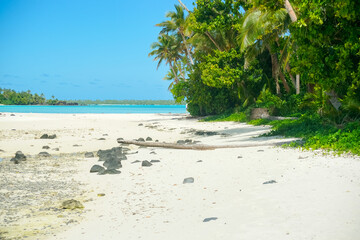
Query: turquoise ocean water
{"x": 95, "y": 109}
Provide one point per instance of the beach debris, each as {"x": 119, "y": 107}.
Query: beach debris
{"x": 45, "y": 147}
{"x": 19, "y": 157}
{"x": 188, "y": 180}
{"x": 115, "y": 152}
{"x": 206, "y": 133}
{"x": 72, "y": 204}
{"x": 210, "y": 219}
{"x": 89, "y": 155}
{"x": 101, "y": 139}
{"x": 148, "y": 139}
{"x": 47, "y": 136}
{"x": 44, "y": 154}
{"x": 101, "y": 194}
{"x": 270, "y": 182}
{"x": 109, "y": 171}
{"x": 146, "y": 163}
{"x": 155, "y": 161}
{"x": 140, "y": 140}
{"x": 96, "y": 168}
{"x": 136, "y": 161}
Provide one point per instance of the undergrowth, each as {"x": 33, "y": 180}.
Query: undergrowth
{"x": 315, "y": 131}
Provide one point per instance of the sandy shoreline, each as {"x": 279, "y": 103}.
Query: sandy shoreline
{"x": 315, "y": 196}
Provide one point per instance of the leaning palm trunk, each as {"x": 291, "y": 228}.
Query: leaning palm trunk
{"x": 173, "y": 70}
{"x": 187, "y": 48}
{"x": 184, "y": 6}
{"x": 213, "y": 41}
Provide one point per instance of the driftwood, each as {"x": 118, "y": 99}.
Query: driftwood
{"x": 197, "y": 146}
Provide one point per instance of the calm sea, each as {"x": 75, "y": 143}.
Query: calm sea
{"x": 95, "y": 109}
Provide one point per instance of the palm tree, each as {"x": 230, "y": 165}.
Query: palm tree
{"x": 178, "y": 24}
{"x": 260, "y": 30}
{"x": 166, "y": 49}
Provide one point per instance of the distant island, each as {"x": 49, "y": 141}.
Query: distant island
{"x": 11, "y": 97}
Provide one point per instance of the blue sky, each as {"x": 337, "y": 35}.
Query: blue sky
{"x": 82, "y": 49}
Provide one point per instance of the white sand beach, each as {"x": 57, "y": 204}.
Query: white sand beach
{"x": 309, "y": 195}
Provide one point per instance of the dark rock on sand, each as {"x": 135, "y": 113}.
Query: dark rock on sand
{"x": 240, "y": 157}
{"x": 112, "y": 163}
{"x": 155, "y": 161}
{"x": 140, "y": 140}
{"x": 89, "y": 155}
{"x": 270, "y": 182}
{"x": 152, "y": 152}
{"x": 19, "y": 157}
{"x": 115, "y": 152}
{"x": 97, "y": 168}
{"x": 136, "y": 161}
{"x": 45, "y": 147}
{"x": 206, "y": 133}
{"x": 2, "y": 150}
{"x": 260, "y": 150}
{"x": 47, "y": 136}
{"x": 156, "y": 140}
{"x": 148, "y": 139}
{"x": 56, "y": 149}
{"x": 180, "y": 142}
{"x": 76, "y": 145}
{"x": 101, "y": 139}
{"x": 146, "y": 163}
{"x": 188, "y": 180}
{"x": 109, "y": 171}
{"x": 71, "y": 204}
{"x": 12, "y": 115}
{"x": 44, "y": 154}
{"x": 200, "y": 161}
{"x": 210, "y": 219}
{"x": 188, "y": 141}
{"x": 140, "y": 124}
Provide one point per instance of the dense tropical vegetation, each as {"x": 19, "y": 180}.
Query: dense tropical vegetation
{"x": 298, "y": 58}
{"x": 11, "y": 97}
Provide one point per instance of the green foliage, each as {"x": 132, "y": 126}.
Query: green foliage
{"x": 228, "y": 117}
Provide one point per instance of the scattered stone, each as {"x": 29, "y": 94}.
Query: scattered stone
{"x": 140, "y": 140}
{"x": 156, "y": 140}
{"x": 45, "y": 147}
{"x": 210, "y": 219}
{"x": 136, "y": 161}
{"x": 188, "y": 141}
{"x": 76, "y": 145}
{"x": 146, "y": 163}
{"x": 152, "y": 152}
{"x": 200, "y": 161}
{"x": 195, "y": 142}
{"x": 97, "y": 168}
{"x": 12, "y": 115}
{"x": 180, "y": 142}
{"x": 105, "y": 134}
{"x": 109, "y": 171}
{"x": 205, "y": 133}
{"x": 112, "y": 163}
{"x": 120, "y": 139}
{"x": 188, "y": 180}
{"x": 140, "y": 124}
{"x": 19, "y": 157}
{"x": 115, "y": 152}
{"x": 2, "y": 150}
{"x": 259, "y": 113}
{"x": 240, "y": 157}
{"x": 13, "y": 129}
{"x": 89, "y": 155}
{"x": 44, "y": 154}
{"x": 270, "y": 182}
{"x": 46, "y": 136}
{"x": 56, "y": 149}
{"x": 148, "y": 139}
{"x": 101, "y": 139}
{"x": 71, "y": 204}
{"x": 155, "y": 161}
{"x": 301, "y": 157}
{"x": 260, "y": 150}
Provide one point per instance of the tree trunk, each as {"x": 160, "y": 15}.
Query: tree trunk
{"x": 186, "y": 47}
{"x": 173, "y": 70}
{"x": 183, "y": 5}
{"x": 213, "y": 41}
{"x": 290, "y": 10}
{"x": 297, "y": 84}
{"x": 288, "y": 69}
{"x": 283, "y": 79}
